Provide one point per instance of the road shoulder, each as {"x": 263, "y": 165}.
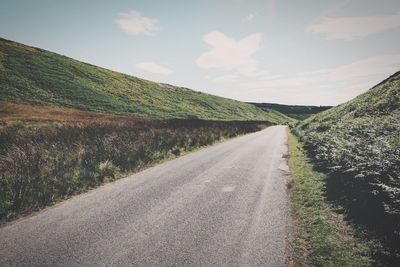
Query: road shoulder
{"x": 321, "y": 237}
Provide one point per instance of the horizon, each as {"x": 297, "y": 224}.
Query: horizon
{"x": 322, "y": 55}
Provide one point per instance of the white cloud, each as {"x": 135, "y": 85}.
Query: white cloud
{"x": 365, "y": 69}
{"x": 229, "y": 78}
{"x": 154, "y": 68}
{"x": 351, "y": 28}
{"x": 228, "y": 54}
{"x": 249, "y": 17}
{"x": 134, "y": 23}
{"x": 327, "y": 86}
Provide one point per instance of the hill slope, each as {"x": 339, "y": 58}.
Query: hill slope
{"x": 297, "y": 112}
{"x": 39, "y": 76}
{"x": 359, "y": 142}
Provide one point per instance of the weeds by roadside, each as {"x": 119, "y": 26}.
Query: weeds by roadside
{"x": 357, "y": 144}
{"x": 322, "y": 237}
{"x": 39, "y": 166}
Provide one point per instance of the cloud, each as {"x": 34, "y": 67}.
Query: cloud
{"x": 228, "y": 54}
{"x": 249, "y": 17}
{"x": 154, "y": 68}
{"x": 365, "y": 69}
{"x": 328, "y": 86}
{"x": 229, "y": 78}
{"x": 352, "y": 28}
{"x": 134, "y": 23}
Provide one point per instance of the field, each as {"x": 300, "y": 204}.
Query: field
{"x": 44, "y": 161}
{"x": 14, "y": 112}
{"x": 67, "y": 126}
{"x": 296, "y": 112}
{"x": 358, "y": 145}
{"x": 37, "y": 76}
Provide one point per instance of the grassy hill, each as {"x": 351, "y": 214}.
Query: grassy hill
{"x": 42, "y": 77}
{"x": 278, "y": 117}
{"x": 297, "y": 112}
{"x": 358, "y": 142}
{"x": 67, "y": 126}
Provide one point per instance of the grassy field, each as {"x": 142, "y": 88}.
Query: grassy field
{"x": 27, "y": 113}
{"x": 279, "y": 118}
{"x": 296, "y": 112}
{"x": 34, "y": 75}
{"x": 358, "y": 145}
{"x": 43, "y": 163}
{"x": 322, "y": 238}
{"x": 66, "y": 126}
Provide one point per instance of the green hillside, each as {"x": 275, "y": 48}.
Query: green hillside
{"x": 39, "y": 76}
{"x": 278, "y": 117}
{"x": 358, "y": 142}
{"x": 297, "y": 112}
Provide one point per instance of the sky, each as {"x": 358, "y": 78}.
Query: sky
{"x": 278, "y": 51}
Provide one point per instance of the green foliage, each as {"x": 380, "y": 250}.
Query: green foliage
{"x": 38, "y": 76}
{"x": 359, "y": 144}
{"x": 296, "y": 112}
{"x": 41, "y": 165}
{"x": 323, "y": 238}
{"x": 279, "y": 118}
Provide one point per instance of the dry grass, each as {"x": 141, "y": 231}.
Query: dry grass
{"x": 43, "y": 163}
{"x": 11, "y": 111}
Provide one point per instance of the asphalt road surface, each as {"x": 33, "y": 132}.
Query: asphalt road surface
{"x": 226, "y": 205}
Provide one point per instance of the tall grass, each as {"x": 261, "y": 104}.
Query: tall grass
{"x": 322, "y": 238}
{"x": 358, "y": 145}
{"x": 41, "y": 165}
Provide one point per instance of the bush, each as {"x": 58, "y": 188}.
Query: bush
{"x": 362, "y": 157}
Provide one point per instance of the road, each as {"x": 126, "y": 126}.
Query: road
{"x": 225, "y": 205}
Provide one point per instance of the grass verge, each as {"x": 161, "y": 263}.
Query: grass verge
{"x": 40, "y": 165}
{"x": 322, "y": 237}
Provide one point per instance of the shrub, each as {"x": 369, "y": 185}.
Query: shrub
{"x": 358, "y": 144}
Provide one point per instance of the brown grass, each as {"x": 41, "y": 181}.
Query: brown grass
{"x": 11, "y": 111}
{"x": 48, "y": 152}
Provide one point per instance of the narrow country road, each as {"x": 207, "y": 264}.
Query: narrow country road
{"x": 226, "y": 205}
